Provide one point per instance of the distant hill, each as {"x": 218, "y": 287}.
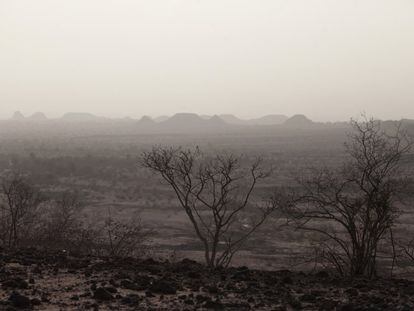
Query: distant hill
{"x": 299, "y": 121}
{"x": 80, "y": 116}
{"x": 216, "y": 120}
{"x": 146, "y": 121}
{"x": 161, "y": 119}
{"x": 180, "y": 119}
{"x": 191, "y": 122}
{"x": 18, "y": 116}
{"x": 232, "y": 119}
{"x": 270, "y": 119}
{"x": 38, "y": 116}
{"x": 407, "y": 121}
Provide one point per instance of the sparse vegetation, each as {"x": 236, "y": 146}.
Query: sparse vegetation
{"x": 19, "y": 204}
{"x": 125, "y": 239}
{"x": 216, "y": 195}
{"x": 72, "y": 185}
{"x": 354, "y": 207}
{"x": 32, "y": 219}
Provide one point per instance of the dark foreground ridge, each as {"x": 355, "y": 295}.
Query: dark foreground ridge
{"x": 33, "y": 280}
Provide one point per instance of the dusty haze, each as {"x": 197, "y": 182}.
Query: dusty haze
{"x": 327, "y": 59}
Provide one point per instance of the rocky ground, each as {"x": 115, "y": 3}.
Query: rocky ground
{"x": 34, "y": 280}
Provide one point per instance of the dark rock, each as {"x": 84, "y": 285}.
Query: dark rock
{"x": 102, "y": 294}
{"x": 212, "y": 289}
{"x": 409, "y": 290}
{"x": 20, "y": 301}
{"x": 194, "y": 275}
{"x": 45, "y": 298}
{"x": 353, "y": 292}
{"x": 150, "y": 261}
{"x": 164, "y": 287}
{"x": 287, "y": 280}
{"x": 328, "y": 305}
{"x": 128, "y": 284}
{"x": 111, "y": 289}
{"x": 347, "y": 307}
{"x": 213, "y": 305}
{"x": 37, "y": 270}
{"x": 293, "y": 302}
{"x": 36, "y": 302}
{"x": 308, "y": 298}
{"x": 237, "y": 306}
{"x": 202, "y": 298}
{"x": 131, "y": 299}
{"x": 143, "y": 281}
{"x": 322, "y": 274}
{"x": 18, "y": 283}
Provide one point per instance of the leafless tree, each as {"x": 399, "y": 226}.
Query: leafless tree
{"x": 19, "y": 203}
{"x": 408, "y": 250}
{"x": 60, "y": 222}
{"x": 124, "y": 239}
{"x": 354, "y": 207}
{"x": 216, "y": 194}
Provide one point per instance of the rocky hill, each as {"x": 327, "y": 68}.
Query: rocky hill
{"x": 38, "y": 116}
{"x": 79, "y": 117}
{"x": 298, "y": 121}
{"x": 17, "y": 116}
{"x": 33, "y": 280}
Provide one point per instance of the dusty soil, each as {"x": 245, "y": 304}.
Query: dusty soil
{"x": 39, "y": 281}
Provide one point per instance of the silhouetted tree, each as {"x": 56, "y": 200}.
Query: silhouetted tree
{"x": 353, "y": 208}
{"x": 127, "y": 238}
{"x": 19, "y": 203}
{"x": 216, "y": 194}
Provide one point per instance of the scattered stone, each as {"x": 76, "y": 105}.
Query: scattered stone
{"x": 36, "y": 302}
{"x": 308, "y": 298}
{"x": 128, "y": 284}
{"x": 352, "y": 292}
{"x": 164, "y": 287}
{"x": 102, "y": 294}
{"x": 213, "y": 305}
{"x": 322, "y": 274}
{"x": 202, "y": 289}
{"x": 131, "y": 299}
{"x": 15, "y": 283}
{"x": 111, "y": 289}
{"x": 20, "y": 301}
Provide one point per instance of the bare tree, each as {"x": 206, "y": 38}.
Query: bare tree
{"x": 123, "y": 239}
{"x": 354, "y": 207}
{"x": 215, "y": 193}
{"x": 407, "y": 250}
{"x": 60, "y": 222}
{"x": 19, "y": 204}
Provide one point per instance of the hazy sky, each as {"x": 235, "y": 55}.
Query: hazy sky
{"x": 328, "y": 59}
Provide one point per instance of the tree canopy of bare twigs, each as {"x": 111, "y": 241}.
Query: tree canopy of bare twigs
{"x": 216, "y": 194}
{"x": 354, "y": 208}
{"x": 124, "y": 239}
{"x": 19, "y": 203}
